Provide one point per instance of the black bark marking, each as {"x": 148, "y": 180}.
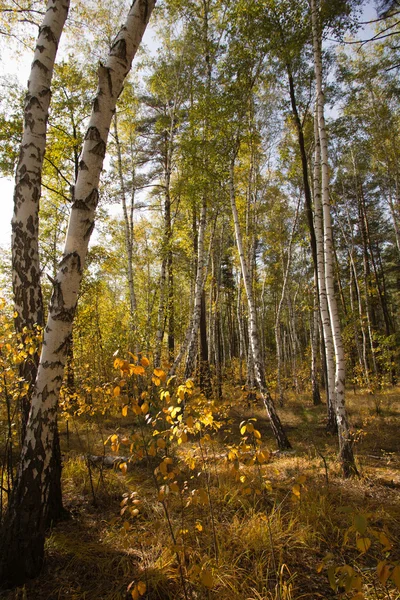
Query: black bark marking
{"x": 45, "y": 92}
{"x": 75, "y": 262}
{"x": 93, "y": 198}
{"x": 30, "y": 225}
{"x": 80, "y": 205}
{"x": 99, "y": 149}
{"x": 96, "y": 105}
{"x": 89, "y": 230}
{"x": 37, "y": 63}
{"x": 118, "y": 49}
{"x": 50, "y": 364}
{"x": 93, "y": 134}
{"x": 63, "y": 347}
{"x": 65, "y": 314}
{"x": 47, "y": 33}
{"x": 40, "y": 48}
{"x": 83, "y": 166}
{"x": 32, "y": 102}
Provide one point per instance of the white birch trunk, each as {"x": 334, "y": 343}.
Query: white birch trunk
{"x": 323, "y": 302}
{"x": 345, "y": 442}
{"x": 23, "y": 530}
{"x": 28, "y": 179}
{"x": 278, "y": 431}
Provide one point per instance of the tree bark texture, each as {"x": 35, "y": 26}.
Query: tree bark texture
{"x": 23, "y": 529}
{"x": 28, "y": 180}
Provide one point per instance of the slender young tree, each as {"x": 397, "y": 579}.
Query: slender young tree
{"x": 345, "y": 441}
{"x": 277, "y": 428}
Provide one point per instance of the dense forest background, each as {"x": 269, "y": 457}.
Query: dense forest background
{"x": 234, "y": 352}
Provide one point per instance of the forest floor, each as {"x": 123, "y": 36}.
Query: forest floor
{"x": 224, "y": 516}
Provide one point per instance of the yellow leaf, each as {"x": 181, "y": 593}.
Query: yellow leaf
{"x": 301, "y": 479}
{"x": 152, "y": 450}
{"x": 160, "y": 374}
{"x": 117, "y": 390}
{"x": 144, "y": 361}
{"x": 134, "y": 357}
{"x": 257, "y": 434}
{"x": 156, "y": 381}
{"x": 262, "y": 457}
{"x": 250, "y": 427}
{"x": 124, "y": 468}
{"x": 190, "y": 421}
{"x": 206, "y": 578}
{"x": 141, "y": 586}
{"x": 171, "y": 379}
{"x": 242, "y": 478}
{"x": 189, "y": 384}
{"x": 174, "y": 487}
{"x": 125, "y": 410}
{"x": 243, "y": 430}
{"x": 136, "y": 370}
{"x": 145, "y": 408}
{"x": 363, "y": 544}
{"x": 199, "y": 526}
{"x": 137, "y": 409}
{"x": 161, "y": 443}
{"x": 296, "y": 489}
{"x": 395, "y": 576}
{"x": 383, "y": 570}
{"x": 135, "y": 593}
{"x": 181, "y": 393}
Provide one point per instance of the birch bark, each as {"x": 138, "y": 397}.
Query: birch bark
{"x": 345, "y": 441}
{"x": 28, "y": 180}
{"x": 23, "y": 529}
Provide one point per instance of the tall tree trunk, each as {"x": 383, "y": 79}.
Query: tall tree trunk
{"x": 345, "y": 441}
{"x": 190, "y": 343}
{"x": 28, "y": 302}
{"x": 277, "y": 428}
{"x": 23, "y": 529}
{"x": 286, "y": 271}
{"x": 128, "y": 231}
{"x": 323, "y": 303}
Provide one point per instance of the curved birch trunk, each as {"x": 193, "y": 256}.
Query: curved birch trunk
{"x": 276, "y": 425}
{"x": 345, "y": 441}
{"x": 23, "y": 530}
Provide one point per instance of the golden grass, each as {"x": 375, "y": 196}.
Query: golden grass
{"x": 252, "y": 538}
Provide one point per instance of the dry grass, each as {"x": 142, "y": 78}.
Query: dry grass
{"x": 256, "y": 539}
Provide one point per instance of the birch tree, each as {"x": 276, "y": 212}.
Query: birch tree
{"x": 345, "y": 441}
{"x": 23, "y": 530}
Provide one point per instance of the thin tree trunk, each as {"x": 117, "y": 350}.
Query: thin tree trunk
{"x": 23, "y": 530}
{"x": 278, "y": 431}
{"x": 345, "y": 441}
{"x": 279, "y": 309}
{"x": 323, "y": 303}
